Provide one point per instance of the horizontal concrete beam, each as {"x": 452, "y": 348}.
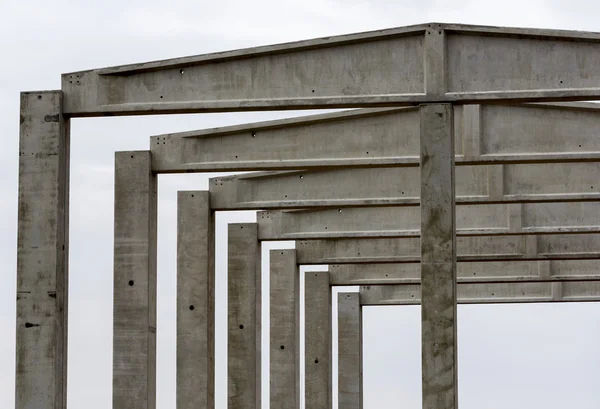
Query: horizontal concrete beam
{"x": 514, "y": 183}
{"x": 494, "y": 248}
{"x": 497, "y": 293}
{"x": 473, "y": 272}
{"x": 471, "y": 220}
{"x": 385, "y": 137}
{"x": 401, "y": 66}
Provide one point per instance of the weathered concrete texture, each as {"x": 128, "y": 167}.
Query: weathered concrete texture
{"x": 134, "y": 314}
{"x": 244, "y": 317}
{"x": 195, "y": 301}
{"x": 317, "y": 336}
{"x": 405, "y": 221}
{"x": 438, "y": 259}
{"x": 284, "y": 330}
{"x": 354, "y": 187}
{"x": 350, "y": 394}
{"x": 42, "y": 253}
{"x": 488, "y": 293}
{"x": 470, "y": 272}
{"x": 379, "y": 68}
{"x": 477, "y": 248}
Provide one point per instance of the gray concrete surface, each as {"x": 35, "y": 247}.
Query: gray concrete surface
{"x": 381, "y": 68}
{"x": 42, "y": 253}
{"x": 488, "y": 293}
{"x": 134, "y": 311}
{"x": 317, "y": 341}
{"x": 477, "y": 248}
{"x": 512, "y": 183}
{"x": 349, "y": 351}
{"x": 244, "y": 317}
{"x": 438, "y": 250}
{"x": 471, "y": 272}
{"x": 484, "y": 134}
{"x": 195, "y": 301}
{"x": 405, "y": 221}
{"x": 284, "y": 330}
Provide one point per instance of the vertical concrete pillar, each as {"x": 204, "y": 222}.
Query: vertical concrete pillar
{"x": 284, "y": 330}
{"x": 195, "y": 301}
{"x": 134, "y": 314}
{"x": 349, "y": 351}
{"x": 438, "y": 258}
{"x": 317, "y": 335}
{"x": 42, "y": 253}
{"x": 244, "y": 317}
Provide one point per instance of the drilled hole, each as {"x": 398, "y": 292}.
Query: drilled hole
{"x": 316, "y": 361}
{"x": 191, "y": 308}
{"x": 39, "y": 97}
{"x": 130, "y": 283}
{"x": 282, "y": 347}
{"x": 161, "y": 97}
{"x": 131, "y": 156}
{"x": 241, "y": 327}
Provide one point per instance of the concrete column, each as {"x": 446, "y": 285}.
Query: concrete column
{"x": 438, "y": 258}
{"x": 317, "y": 335}
{"x": 195, "y": 301}
{"x": 349, "y": 351}
{"x": 244, "y": 317}
{"x": 42, "y": 253}
{"x": 284, "y": 330}
{"x": 134, "y": 314}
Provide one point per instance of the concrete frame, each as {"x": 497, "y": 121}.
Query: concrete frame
{"x": 431, "y": 68}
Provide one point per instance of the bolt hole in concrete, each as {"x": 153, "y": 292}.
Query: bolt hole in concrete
{"x": 39, "y": 97}
{"x": 282, "y": 347}
{"x": 131, "y": 283}
{"x": 241, "y": 327}
{"x": 191, "y": 308}
{"x": 316, "y": 361}
{"x": 131, "y": 156}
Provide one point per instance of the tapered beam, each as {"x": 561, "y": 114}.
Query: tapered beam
{"x": 317, "y": 335}
{"x": 408, "y": 65}
{"x": 485, "y": 134}
{"x": 134, "y": 305}
{"x": 404, "y": 221}
{"x": 195, "y": 301}
{"x": 244, "y": 317}
{"x": 472, "y": 272}
{"x": 493, "y": 293}
{"x": 42, "y": 253}
{"x": 478, "y": 248}
{"x": 284, "y": 330}
{"x": 350, "y": 377}
{"x": 558, "y": 182}
{"x": 438, "y": 249}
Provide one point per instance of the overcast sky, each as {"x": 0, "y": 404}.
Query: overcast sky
{"x": 517, "y": 356}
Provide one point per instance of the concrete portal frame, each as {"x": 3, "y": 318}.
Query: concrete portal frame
{"x": 432, "y": 66}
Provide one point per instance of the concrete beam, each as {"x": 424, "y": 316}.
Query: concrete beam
{"x": 244, "y": 317}
{"x": 558, "y": 182}
{"x": 408, "y": 65}
{"x": 195, "y": 301}
{"x": 350, "y": 394}
{"x": 134, "y": 314}
{"x": 493, "y": 293}
{"x": 317, "y": 346}
{"x": 485, "y": 134}
{"x": 404, "y": 221}
{"x": 284, "y": 330}
{"x": 478, "y": 248}
{"x": 438, "y": 249}
{"x": 42, "y": 253}
{"x": 472, "y": 272}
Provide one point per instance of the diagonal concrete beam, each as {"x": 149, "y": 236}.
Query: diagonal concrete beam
{"x": 485, "y": 134}
{"x": 404, "y": 221}
{"x": 431, "y": 62}
{"x": 488, "y": 184}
